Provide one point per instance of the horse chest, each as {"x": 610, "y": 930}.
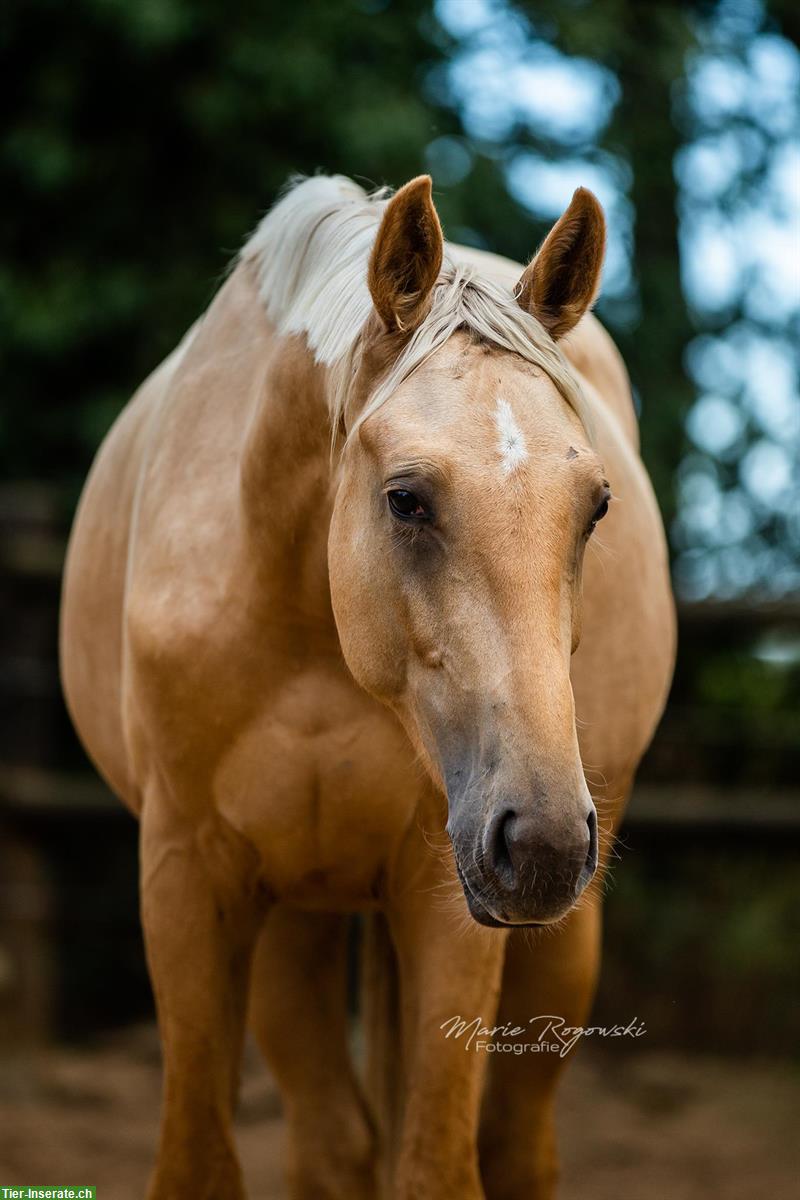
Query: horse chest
{"x": 324, "y": 790}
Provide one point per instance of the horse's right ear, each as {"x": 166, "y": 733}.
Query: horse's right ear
{"x": 561, "y": 283}
{"x": 407, "y": 256}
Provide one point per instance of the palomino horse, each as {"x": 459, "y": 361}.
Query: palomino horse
{"x": 332, "y": 585}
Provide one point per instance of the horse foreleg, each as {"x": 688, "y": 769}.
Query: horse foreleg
{"x": 449, "y": 967}
{"x": 200, "y": 911}
{"x": 298, "y": 1012}
{"x": 551, "y": 973}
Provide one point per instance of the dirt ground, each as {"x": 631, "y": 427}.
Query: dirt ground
{"x": 635, "y": 1126}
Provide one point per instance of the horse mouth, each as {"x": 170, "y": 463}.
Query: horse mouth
{"x": 480, "y": 913}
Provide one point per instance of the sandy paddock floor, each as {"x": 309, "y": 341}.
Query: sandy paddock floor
{"x": 641, "y": 1125}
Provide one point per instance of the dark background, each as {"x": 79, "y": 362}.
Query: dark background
{"x": 142, "y": 142}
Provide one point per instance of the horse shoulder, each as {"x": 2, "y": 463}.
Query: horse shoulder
{"x": 94, "y": 584}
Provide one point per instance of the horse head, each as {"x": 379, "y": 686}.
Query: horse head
{"x": 468, "y": 489}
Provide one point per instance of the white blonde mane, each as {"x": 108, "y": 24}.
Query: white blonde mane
{"x": 311, "y": 253}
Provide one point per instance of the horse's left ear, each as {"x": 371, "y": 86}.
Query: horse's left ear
{"x": 561, "y": 282}
{"x": 407, "y": 256}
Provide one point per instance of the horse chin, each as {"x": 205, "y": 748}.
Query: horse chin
{"x": 481, "y": 914}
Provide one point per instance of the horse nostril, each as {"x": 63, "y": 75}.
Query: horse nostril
{"x": 591, "y": 857}
{"x": 499, "y": 847}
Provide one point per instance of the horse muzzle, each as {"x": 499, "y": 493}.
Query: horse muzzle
{"x": 519, "y": 867}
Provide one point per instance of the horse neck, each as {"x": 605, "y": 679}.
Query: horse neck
{"x": 287, "y": 485}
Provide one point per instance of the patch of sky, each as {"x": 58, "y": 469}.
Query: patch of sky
{"x": 715, "y": 424}
{"x": 767, "y": 473}
{"x": 503, "y": 77}
{"x": 545, "y": 188}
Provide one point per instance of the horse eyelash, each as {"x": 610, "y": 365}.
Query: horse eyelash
{"x": 406, "y": 534}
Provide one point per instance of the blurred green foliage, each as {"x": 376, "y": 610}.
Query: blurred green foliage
{"x": 690, "y": 928}
{"x": 146, "y": 138}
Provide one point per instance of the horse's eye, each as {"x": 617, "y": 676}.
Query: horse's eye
{"x": 405, "y": 504}
{"x": 599, "y": 512}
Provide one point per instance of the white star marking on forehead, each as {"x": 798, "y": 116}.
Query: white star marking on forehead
{"x": 511, "y": 441}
